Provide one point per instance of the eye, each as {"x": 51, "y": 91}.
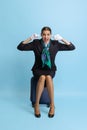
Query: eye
{"x": 44, "y": 34}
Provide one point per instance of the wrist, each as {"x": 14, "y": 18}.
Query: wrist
{"x": 27, "y": 40}
{"x": 58, "y": 37}
{"x": 66, "y": 42}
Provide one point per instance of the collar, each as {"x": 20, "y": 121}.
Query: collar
{"x": 45, "y": 45}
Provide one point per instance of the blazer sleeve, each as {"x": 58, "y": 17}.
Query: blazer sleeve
{"x": 64, "y": 47}
{"x": 25, "y": 47}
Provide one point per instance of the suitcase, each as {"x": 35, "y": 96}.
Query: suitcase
{"x": 44, "y": 97}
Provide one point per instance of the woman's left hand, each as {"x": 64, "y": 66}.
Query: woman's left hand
{"x": 58, "y": 37}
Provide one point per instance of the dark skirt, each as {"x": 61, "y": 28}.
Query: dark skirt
{"x": 38, "y": 72}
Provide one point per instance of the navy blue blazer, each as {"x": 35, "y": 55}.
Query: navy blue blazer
{"x": 37, "y": 48}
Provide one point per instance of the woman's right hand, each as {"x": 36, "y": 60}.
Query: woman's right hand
{"x": 34, "y": 36}
{"x": 31, "y": 38}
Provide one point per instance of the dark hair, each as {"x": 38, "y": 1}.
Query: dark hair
{"x": 46, "y": 28}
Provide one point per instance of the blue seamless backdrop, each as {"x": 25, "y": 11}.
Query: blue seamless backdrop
{"x": 19, "y": 19}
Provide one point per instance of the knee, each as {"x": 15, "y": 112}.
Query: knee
{"x": 42, "y": 78}
{"x": 48, "y": 77}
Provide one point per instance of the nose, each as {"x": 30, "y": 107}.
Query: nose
{"x": 45, "y": 36}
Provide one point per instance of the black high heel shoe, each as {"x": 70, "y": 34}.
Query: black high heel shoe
{"x": 51, "y": 111}
{"x": 36, "y": 111}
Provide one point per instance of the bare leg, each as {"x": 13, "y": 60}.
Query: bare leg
{"x": 39, "y": 90}
{"x": 50, "y": 87}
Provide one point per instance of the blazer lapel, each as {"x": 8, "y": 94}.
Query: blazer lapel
{"x": 51, "y": 46}
{"x": 40, "y": 47}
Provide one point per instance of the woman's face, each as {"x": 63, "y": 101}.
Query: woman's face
{"x": 46, "y": 35}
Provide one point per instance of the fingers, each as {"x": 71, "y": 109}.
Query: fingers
{"x": 57, "y": 37}
{"x": 35, "y": 36}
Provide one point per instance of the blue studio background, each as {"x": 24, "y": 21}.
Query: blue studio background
{"x": 19, "y": 19}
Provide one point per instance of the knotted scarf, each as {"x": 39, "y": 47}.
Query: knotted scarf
{"x": 45, "y": 56}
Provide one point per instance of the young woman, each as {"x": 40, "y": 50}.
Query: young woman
{"x": 45, "y": 50}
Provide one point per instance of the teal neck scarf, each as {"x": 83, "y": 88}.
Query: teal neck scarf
{"x": 45, "y": 57}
